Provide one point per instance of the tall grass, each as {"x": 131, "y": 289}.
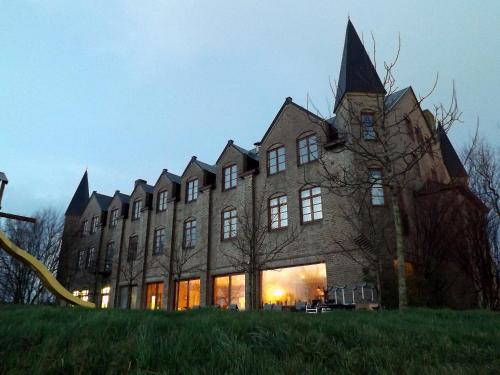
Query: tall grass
{"x": 50, "y": 340}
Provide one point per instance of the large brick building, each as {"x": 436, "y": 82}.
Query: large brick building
{"x": 172, "y": 244}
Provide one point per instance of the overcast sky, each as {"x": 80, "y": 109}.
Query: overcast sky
{"x": 127, "y": 88}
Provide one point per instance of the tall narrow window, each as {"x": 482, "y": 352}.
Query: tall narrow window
{"x": 85, "y": 227}
{"x": 230, "y": 290}
{"x": 105, "y": 297}
{"x": 91, "y": 259}
{"x": 162, "y": 201}
{"x": 187, "y": 294}
{"x": 308, "y": 149}
{"x": 154, "y": 294}
{"x": 367, "y": 125}
{"x": 310, "y": 204}
{"x": 108, "y": 260}
{"x": 229, "y": 224}
{"x": 190, "y": 233}
{"x": 114, "y": 217}
{"x": 276, "y": 160}
{"x": 192, "y": 191}
{"x": 81, "y": 260}
{"x": 230, "y": 177}
{"x": 133, "y": 242}
{"x": 377, "y": 188}
{"x": 94, "y": 223}
{"x": 278, "y": 212}
{"x": 136, "y": 209}
{"x": 159, "y": 240}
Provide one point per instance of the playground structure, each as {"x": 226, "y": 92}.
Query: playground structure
{"x": 29, "y": 260}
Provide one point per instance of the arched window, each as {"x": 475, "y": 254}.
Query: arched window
{"x": 276, "y": 159}
{"x": 311, "y": 207}
{"x": 161, "y": 201}
{"x": 307, "y": 148}
{"x": 159, "y": 240}
{"x": 229, "y": 223}
{"x": 189, "y": 233}
{"x": 368, "y": 125}
{"x": 278, "y": 212}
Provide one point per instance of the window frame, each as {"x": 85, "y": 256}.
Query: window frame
{"x": 108, "y": 256}
{"x": 275, "y": 149}
{"x": 310, "y": 198}
{"x": 162, "y": 201}
{"x": 277, "y": 196}
{"x": 229, "y": 288}
{"x": 307, "y": 138}
{"x": 85, "y": 227}
{"x": 81, "y": 260}
{"x": 381, "y": 188}
{"x": 159, "y": 250}
{"x": 195, "y": 192}
{"x": 136, "y": 212}
{"x": 177, "y": 285}
{"x": 230, "y": 237}
{"x": 233, "y": 177}
{"x": 192, "y": 229}
{"x": 363, "y": 133}
{"x": 94, "y": 223}
{"x": 132, "y": 253}
{"x": 91, "y": 259}
{"x": 113, "y": 217}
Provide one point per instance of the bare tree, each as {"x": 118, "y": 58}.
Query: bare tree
{"x": 254, "y": 248}
{"x": 19, "y": 283}
{"x": 482, "y": 162}
{"x": 388, "y": 141}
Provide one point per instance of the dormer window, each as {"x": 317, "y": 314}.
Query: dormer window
{"x": 230, "y": 177}
{"x": 308, "y": 149}
{"x": 192, "y": 191}
{"x": 94, "y": 223}
{"x": 276, "y": 160}
{"x": 161, "y": 204}
{"x": 367, "y": 125}
{"x": 136, "y": 209}
{"x": 114, "y": 218}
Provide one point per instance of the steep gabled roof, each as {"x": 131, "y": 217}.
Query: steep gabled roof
{"x": 102, "y": 200}
{"x": 450, "y": 158}
{"x": 204, "y": 166}
{"x": 391, "y": 100}
{"x": 288, "y": 101}
{"x": 230, "y": 143}
{"x": 172, "y": 177}
{"x": 80, "y": 198}
{"x": 357, "y": 73}
{"x": 124, "y": 198}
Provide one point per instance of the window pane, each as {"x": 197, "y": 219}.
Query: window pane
{"x": 287, "y": 286}
{"x": 221, "y": 291}
{"x": 238, "y": 291}
{"x": 305, "y": 193}
{"x": 194, "y": 293}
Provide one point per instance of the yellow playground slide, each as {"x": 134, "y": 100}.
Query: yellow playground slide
{"x": 45, "y": 275}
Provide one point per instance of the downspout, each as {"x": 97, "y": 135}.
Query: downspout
{"x": 171, "y": 281}
{"x": 145, "y": 262}
{"x": 99, "y": 250}
{"x": 209, "y": 246}
{"x": 120, "y": 248}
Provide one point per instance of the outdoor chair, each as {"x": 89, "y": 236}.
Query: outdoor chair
{"x": 233, "y": 307}
{"x": 300, "y": 306}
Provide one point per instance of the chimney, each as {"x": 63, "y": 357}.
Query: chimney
{"x": 257, "y": 146}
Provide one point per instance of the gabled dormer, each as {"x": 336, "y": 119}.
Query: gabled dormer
{"x": 197, "y": 176}
{"x": 118, "y": 208}
{"x": 233, "y": 162}
{"x": 166, "y": 188}
{"x": 95, "y": 213}
{"x": 141, "y": 199}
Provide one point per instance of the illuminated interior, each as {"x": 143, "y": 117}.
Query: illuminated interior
{"x": 187, "y": 294}
{"x": 229, "y": 290}
{"x": 154, "y": 296}
{"x": 287, "y": 286}
{"x": 84, "y": 295}
{"x": 76, "y": 293}
{"x": 105, "y": 297}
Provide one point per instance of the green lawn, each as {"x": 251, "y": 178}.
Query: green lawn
{"x": 51, "y": 340}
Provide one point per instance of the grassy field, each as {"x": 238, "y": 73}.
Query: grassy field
{"x": 51, "y": 340}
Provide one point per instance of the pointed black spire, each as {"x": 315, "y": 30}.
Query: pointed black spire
{"x": 357, "y": 73}
{"x": 80, "y": 199}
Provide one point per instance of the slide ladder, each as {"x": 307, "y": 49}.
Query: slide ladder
{"x": 43, "y": 273}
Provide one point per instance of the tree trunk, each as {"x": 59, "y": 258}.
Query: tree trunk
{"x": 252, "y": 303}
{"x": 400, "y": 252}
